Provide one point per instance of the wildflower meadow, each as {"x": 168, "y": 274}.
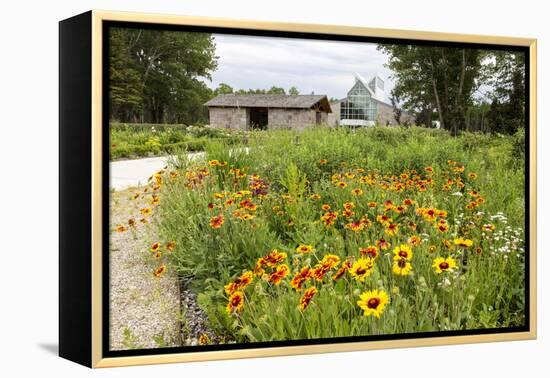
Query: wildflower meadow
{"x": 332, "y": 233}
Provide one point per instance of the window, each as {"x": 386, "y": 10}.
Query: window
{"x": 358, "y": 106}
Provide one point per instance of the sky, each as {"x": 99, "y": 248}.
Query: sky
{"x": 323, "y": 67}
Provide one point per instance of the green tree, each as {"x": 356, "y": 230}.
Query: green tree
{"x": 506, "y": 74}
{"x": 126, "y": 90}
{"x": 441, "y": 78}
{"x": 276, "y": 90}
{"x": 158, "y": 76}
{"x": 293, "y": 91}
{"x": 395, "y": 103}
{"x": 223, "y": 89}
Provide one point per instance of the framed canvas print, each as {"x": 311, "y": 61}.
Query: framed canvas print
{"x": 235, "y": 189}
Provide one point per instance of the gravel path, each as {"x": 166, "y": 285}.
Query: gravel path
{"x": 144, "y": 310}
{"x": 194, "y": 318}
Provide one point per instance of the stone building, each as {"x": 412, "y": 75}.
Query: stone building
{"x": 365, "y": 106}
{"x": 260, "y": 111}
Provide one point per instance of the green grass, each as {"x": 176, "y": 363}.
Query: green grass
{"x": 485, "y": 290}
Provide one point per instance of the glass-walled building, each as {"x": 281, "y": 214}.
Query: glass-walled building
{"x": 365, "y": 105}
{"x": 360, "y": 107}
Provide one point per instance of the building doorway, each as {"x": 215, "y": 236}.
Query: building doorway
{"x": 317, "y": 118}
{"x": 258, "y": 118}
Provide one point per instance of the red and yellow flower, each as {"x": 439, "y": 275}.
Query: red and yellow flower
{"x": 280, "y": 272}
{"x": 240, "y": 283}
{"x": 392, "y": 229}
{"x": 305, "y": 248}
{"x": 236, "y": 302}
{"x": 300, "y": 277}
{"x": 307, "y": 297}
{"x": 159, "y": 271}
{"x": 272, "y": 258}
{"x": 371, "y": 252}
{"x": 217, "y": 221}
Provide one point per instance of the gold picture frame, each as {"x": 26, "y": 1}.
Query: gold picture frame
{"x": 78, "y": 274}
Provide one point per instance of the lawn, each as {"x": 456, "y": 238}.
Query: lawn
{"x": 328, "y": 233}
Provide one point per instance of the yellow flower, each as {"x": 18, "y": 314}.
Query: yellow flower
{"x": 303, "y": 248}
{"x": 171, "y": 245}
{"x": 315, "y": 197}
{"x": 236, "y": 302}
{"x": 341, "y": 184}
{"x": 145, "y": 211}
{"x": 373, "y": 302}
{"x": 464, "y": 243}
{"x": 401, "y": 267}
{"x": 361, "y": 269}
{"x": 213, "y": 163}
{"x": 307, "y": 297}
{"x": 444, "y": 265}
{"x": 403, "y": 252}
{"x": 357, "y": 192}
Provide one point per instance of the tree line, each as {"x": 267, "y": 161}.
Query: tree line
{"x": 459, "y": 88}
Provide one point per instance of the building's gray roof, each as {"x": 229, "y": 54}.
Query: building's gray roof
{"x": 270, "y": 101}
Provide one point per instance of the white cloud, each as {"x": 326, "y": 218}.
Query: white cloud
{"x": 323, "y": 67}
